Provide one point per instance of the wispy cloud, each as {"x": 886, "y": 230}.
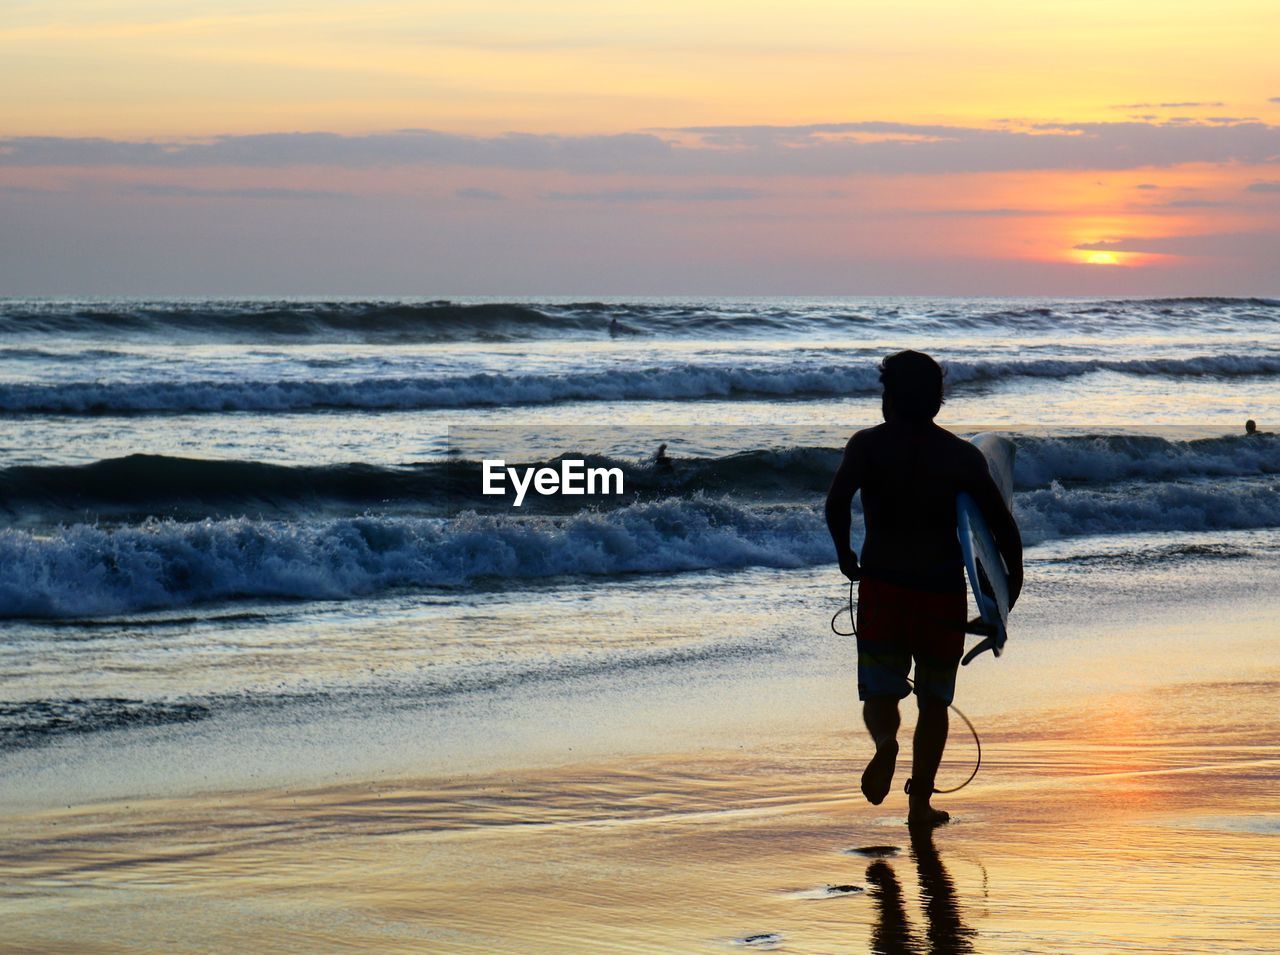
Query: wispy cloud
{"x": 825, "y": 149}
{"x": 172, "y": 191}
{"x": 1263, "y": 187}
{"x": 476, "y": 192}
{"x": 1186, "y": 104}
{"x": 996, "y": 213}
{"x": 720, "y": 194}
{"x": 1249, "y": 245}
{"x": 28, "y": 191}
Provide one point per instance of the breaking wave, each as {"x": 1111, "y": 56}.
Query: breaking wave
{"x": 157, "y": 485}
{"x": 89, "y": 570}
{"x": 417, "y": 320}
{"x": 691, "y": 381}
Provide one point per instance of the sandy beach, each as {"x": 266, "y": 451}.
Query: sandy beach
{"x": 1126, "y": 803}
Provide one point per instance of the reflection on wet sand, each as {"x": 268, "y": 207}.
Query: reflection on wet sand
{"x": 893, "y": 933}
{"x": 1142, "y": 821}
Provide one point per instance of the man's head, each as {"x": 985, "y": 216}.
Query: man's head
{"x": 1250, "y": 426}
{"x": 912, "y": 386}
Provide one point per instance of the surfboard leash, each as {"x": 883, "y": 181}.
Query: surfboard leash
{"x": 851, "y": 609}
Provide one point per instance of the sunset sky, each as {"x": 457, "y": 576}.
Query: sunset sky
{"x": 694, "y": 147}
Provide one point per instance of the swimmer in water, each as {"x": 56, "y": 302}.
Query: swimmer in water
{"x": 660, "y": 459}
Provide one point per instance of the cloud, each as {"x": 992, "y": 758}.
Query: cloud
{"x": 171, "y": 191}
{"x": 1274, "y": 99}
{"x": 29, "y": 191}
{"x": 821, "y": 149}
{"x": 720, "y": 194}
{"x": 1237, "y": 244}
{"x": 998, "y": 213}
{"x": 1146, "y": 185}
{"x": 475, "y": 192}
{"x": 1183, "y": 105}
{"x": 1263, "y": 187}
{"x": 1193, "y": 204}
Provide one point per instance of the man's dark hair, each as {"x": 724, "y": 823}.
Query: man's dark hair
{"x": 912, "y": 384}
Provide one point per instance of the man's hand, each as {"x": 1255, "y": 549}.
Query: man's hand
{"x": 849, "y": 566}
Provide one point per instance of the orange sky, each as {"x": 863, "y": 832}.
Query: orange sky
{"x": 1012, "y": 134}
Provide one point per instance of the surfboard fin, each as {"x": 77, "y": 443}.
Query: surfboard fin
{"x": 994, "y": 642}
{"x": 980, "y": 627}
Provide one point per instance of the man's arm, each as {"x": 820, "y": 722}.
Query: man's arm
{"x": 839, "y": 502}
{"x": 1003, "y": 527}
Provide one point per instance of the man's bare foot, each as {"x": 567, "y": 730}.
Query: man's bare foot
{"x": 926, "y": 817}
{"x": 878, "y": 776}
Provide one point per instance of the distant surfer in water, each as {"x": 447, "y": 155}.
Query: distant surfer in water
{"x": 1251, "y": 429}
{"x": 911, "y": 592}
{"x": 660, "y": 459}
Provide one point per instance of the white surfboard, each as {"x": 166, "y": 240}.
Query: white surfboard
{"x": 988, "y": 578}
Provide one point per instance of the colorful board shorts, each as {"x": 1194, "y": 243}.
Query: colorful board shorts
{"x": 897, "y": 624}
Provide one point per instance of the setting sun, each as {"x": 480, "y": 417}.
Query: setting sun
{"x": 1102, "y": 258}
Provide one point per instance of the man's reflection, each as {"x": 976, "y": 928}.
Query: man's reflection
{"x": 893, "y": 933}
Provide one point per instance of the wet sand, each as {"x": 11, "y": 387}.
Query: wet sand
{"x": 1145, "y": 820}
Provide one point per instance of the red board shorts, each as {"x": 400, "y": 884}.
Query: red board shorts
{"x": 897, "y": 624}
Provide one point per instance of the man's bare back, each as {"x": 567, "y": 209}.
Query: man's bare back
{"x": 909, "y": 475}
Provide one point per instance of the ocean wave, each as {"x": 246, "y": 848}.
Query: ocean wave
{"x": 89, "y": 570}
{"x": 443, "y": 320}
{"x": 1058, "y": 512}
{"x": 1104, "y": 458}
{"x": 362, "y": 321}
{"x": 690, "y": 381}
{"x": 149, "y": 484}
{"x": 157, "y": 485}
{"x": 1219, "y": 301}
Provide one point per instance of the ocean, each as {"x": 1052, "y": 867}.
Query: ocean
{"x": 246, "y": 513}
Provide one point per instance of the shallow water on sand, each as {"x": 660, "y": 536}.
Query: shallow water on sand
{"x": 1125, "y": 803}
{"x": 1078, "y": 841}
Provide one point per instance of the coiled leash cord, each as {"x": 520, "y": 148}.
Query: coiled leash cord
{"x": 853, "y": 622}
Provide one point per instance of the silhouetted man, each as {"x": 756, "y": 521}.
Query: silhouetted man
{"x": 911, "y": 594}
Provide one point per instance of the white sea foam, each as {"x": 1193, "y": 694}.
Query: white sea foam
{"x": 88, "y": 570}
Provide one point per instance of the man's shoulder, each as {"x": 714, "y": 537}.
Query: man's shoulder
{"x": 965, "y": 455}
{"x": 868, "y": 435}
{"x": 957, "y": 443}
{"x": 865, "y": 441}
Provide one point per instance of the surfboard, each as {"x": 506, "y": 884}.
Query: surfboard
{"x": 988, "y": 579}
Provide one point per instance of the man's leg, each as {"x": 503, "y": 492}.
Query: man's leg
{"x": 938, "y": 646}
{"x": 880, "y": 713}
{"x": 884, "y": 661}
{"x": 926, "y": 754}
